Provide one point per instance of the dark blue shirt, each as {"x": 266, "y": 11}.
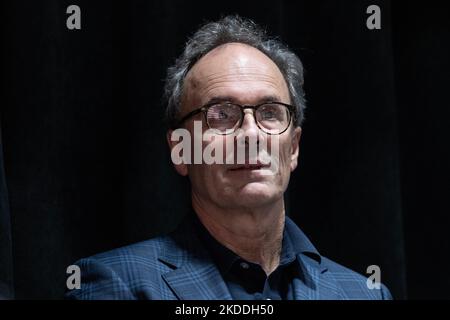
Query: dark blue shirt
{"x": 248, "y": 281}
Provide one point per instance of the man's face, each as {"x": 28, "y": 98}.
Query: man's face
{"x": 240, "y": 74}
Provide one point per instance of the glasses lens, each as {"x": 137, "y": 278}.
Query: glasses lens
{"x": 224, "y": 118}
{"x": 273, "y": 118}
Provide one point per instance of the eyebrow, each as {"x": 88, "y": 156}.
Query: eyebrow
{"x": 231, "y": 99}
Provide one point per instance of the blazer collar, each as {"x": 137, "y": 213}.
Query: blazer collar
{"x": 315, "y": 282}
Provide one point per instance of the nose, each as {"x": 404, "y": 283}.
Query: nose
{"x": 249, "y": 128}
{"x": 248, "y": 122}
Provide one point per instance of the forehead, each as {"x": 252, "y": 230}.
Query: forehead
{"x": 238, "y": 72}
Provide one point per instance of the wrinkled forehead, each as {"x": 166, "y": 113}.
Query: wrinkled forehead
{"x": 234, "y": 69}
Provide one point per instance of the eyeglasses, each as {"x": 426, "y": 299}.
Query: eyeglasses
{"x": 225, "y": 118}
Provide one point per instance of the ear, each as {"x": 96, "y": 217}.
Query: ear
{"x": 296, "y": 134}
{"x": 181, "y": 168}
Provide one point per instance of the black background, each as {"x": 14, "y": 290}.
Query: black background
{"x": 87, "y": 168}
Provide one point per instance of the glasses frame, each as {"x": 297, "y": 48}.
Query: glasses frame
{"x": 204, "y": 109}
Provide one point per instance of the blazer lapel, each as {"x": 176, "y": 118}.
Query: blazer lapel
{"x": 315, "y": 282}
{"x": 194, "y": 275}
{"x": 197, "y": 280}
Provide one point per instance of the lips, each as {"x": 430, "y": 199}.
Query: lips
{"x": 256, "y": 166}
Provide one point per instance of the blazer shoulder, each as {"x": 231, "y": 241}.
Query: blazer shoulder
{"x": 355, "y": 285}
{"x": 123, "y": 273}
{"x": 147, "y": 249}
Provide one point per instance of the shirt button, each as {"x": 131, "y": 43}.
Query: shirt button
{"x": 244, "y": 265}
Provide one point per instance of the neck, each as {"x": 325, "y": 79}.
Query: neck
{"x": 254, "y": 234}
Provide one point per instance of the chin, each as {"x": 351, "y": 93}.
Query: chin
{"x": 257, "y": 194}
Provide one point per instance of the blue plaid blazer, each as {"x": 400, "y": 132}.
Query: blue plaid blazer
{"x": 178, "y": 266}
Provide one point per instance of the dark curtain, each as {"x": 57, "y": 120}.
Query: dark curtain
{"x": 6, "y": 271}
{"x": 87, "y": 166}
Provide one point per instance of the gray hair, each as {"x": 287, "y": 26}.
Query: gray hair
{"x": 226, "y": 30}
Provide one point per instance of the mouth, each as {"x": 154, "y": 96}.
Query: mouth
{"x": 249, "y": 167}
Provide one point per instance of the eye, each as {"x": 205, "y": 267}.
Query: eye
{"x": 222, "y": 115}
{"x": 269, "y": 112}
{"x": 224, "y": 112}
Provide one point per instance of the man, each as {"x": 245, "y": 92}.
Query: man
{"x": 237, "y": 243}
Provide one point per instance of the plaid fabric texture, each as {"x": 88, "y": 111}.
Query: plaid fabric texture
{"x": 177, "y": 266}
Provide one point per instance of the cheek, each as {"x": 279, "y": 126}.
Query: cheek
{"x": 206, "y": 176}
{"x": 283, "y": 151}
{"x": 285, "y": 165}
{"x": 214, "y": 150}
